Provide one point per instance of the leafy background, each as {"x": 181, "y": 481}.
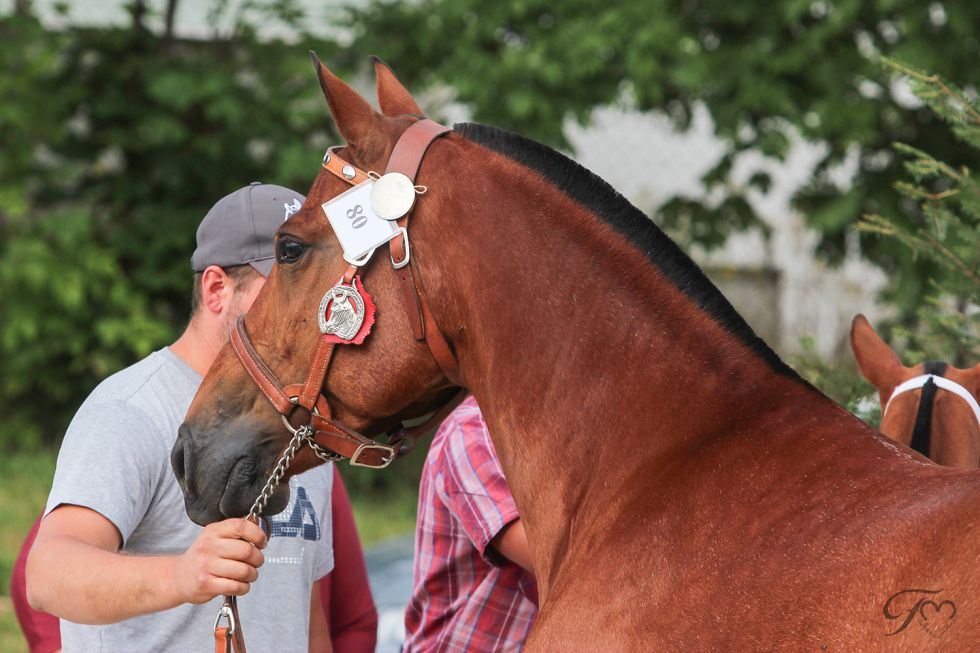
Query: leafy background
{"x": 765, "y": 70}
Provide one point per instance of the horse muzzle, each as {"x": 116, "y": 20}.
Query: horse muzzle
{"x": 220, "y": 478}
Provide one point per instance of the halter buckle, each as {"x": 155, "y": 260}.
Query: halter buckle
{"x": 368, "y": 446}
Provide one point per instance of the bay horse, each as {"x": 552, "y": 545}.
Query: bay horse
{"x": 931, "y": 407}
{"x": 682, "y": 488}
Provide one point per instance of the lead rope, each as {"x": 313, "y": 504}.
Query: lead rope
{"x": 228, "y": 638}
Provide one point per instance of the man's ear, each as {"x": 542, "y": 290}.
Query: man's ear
{"x": 356, "y": 120}
{"x": 216, "y": 288}
{"x": 393, "y": 98}
{"x": 877, "y": 362}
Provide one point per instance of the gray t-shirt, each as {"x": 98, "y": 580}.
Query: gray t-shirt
{"x": 115, "y": 459}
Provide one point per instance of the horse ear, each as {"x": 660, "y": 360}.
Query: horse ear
{"x": 975, "y": 374}
{"x": 877, "y": 362}
{"x": 393, "y": 98}
{"x": 354, "y": 117}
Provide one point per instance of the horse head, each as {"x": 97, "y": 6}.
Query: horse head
{"x": 930, "y": 407}
{"x": 233, "y": 434}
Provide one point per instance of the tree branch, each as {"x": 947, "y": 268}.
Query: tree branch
{"x": 168, "y": 24}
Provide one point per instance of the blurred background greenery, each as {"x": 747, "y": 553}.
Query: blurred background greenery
{"x": 116, "y": 139}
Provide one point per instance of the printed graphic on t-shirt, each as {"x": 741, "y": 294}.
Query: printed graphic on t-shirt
{"x": 302, "y": 522}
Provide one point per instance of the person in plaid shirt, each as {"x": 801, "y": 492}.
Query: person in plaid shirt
{"x": 473, "y": 587}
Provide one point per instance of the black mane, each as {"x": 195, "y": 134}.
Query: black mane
{"x": 592, "y": 192}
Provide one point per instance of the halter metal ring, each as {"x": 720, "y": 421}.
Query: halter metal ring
{"x": 285, "y": 420}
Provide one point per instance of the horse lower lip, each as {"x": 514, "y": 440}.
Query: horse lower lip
{"x": 226, "y": 502}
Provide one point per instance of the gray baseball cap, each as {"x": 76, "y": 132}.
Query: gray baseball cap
{"x": 241, "y": 227}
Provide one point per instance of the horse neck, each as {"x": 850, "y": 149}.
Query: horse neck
{"x": 594, "y": 372}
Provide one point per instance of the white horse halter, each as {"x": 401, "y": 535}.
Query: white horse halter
{"x": 941, "y": 382}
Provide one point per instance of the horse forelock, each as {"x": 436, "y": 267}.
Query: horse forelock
{"x": 922, "y": 426}
{"x": 922, "y": 429}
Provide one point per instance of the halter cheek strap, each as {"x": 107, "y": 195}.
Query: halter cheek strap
{"x": 406, "y": 158}
{"x": 941, "y": 382}
{"x": 336, "y": 441}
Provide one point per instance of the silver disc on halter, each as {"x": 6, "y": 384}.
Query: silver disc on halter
{"x": 392, "y": 196}
{"x": 344, "y": 320}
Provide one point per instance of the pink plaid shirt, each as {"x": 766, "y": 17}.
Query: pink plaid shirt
{"x": 466, "y": 597}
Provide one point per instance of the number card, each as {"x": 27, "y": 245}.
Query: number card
{"x": 358, "y": 228}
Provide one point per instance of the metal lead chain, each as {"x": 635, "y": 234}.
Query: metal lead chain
{"x": 323, "y": 453}
{"x": 309, "y": 436}
{"x": 303, "y": 434}
{"x": 229, "y": 609}
{"x": 299, "y": 436}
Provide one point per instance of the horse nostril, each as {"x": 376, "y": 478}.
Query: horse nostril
{"x": 178, "y": 455}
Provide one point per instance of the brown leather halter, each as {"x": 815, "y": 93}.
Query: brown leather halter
{"x": 338, "y": 440}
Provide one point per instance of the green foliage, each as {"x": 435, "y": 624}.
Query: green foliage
{"x": 11, "y": 638}
{"x": 842, "y": 383}
{"x": 116, "y": 142}
{"x": 765, "y": 70}
{"x": 945, "y": 231}
{"x": 381, "y": 517}
{"x": 944, "y": 234}
{"x": 402, "y": 476}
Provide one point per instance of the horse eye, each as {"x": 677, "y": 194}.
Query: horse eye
{"x": 289, "y": 251}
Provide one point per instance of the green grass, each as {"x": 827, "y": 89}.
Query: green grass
{"x": 11, "y": 639}
{"x": 26, "y": 479}
{"x": 380, "y": 517}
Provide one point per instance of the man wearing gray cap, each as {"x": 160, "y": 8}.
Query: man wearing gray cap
{"x": 116, "y": 557}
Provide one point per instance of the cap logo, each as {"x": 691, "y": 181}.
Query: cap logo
{"x": 291, "y": 209}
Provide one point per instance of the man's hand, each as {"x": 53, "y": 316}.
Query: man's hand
{"x": 76, "y": 571}
{"x": 224, "y": 559}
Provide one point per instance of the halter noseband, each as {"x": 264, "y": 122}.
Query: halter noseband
{"x": 332, "y": 440}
